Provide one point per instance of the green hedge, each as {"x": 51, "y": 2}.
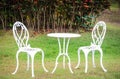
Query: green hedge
{"x": 52, "y": 15}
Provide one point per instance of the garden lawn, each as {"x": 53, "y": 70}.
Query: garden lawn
{"x": 111, "y": 57}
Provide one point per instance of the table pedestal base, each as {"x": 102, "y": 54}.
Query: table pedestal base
{"x": 69, "y": 63}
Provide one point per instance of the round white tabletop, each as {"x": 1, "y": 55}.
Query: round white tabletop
{"x": 63, "y": 35}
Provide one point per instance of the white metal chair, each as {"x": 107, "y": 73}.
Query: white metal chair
{"x": 98, "y": 34}
{"x": 21, "y": 36}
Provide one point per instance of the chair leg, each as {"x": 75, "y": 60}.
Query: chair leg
{"x": 78, "y": 59}
{"x": 86, "y": 61}
{"x": 17, "y": 60}
{"x": 28, "y": 62}
{"x": 93, "y": 60}
{"x": 101, "y": 52}
{"x": 32, "y": 65}
{"x": 43, "y": 61}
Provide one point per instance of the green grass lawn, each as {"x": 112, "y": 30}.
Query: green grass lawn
{"x": 111, "y": 57}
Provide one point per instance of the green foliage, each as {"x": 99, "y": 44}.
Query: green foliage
{"x": 54, "y": 14}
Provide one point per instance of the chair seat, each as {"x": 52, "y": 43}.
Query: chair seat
{"x": 29, "y": 49}
{"x": 90, "y": 48}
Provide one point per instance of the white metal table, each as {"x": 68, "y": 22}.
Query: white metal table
{"x": 63, "y": 51}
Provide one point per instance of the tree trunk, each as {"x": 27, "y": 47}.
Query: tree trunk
{"x": 3, "y": 25}
{"x": 34, "y": 21}
{"x": 53, "y": 24}
{"x": 72, "y": 16}
{"x": 38, "y": 22}
{"x": 21, "y": 15}
{"x": 44, "y": 20}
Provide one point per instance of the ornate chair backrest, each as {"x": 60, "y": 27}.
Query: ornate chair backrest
{"x": 21, "y": 34}
{"x": 98, "y": 33}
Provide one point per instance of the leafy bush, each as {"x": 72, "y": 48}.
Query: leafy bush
{"x": 55, "y": 15}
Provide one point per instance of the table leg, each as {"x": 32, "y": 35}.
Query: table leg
{"x": 69, "y": 62}
{"x": 56, "y": 63}
{"x": 63, "y": 52}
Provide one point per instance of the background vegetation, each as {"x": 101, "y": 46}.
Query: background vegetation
{"x": 51, "y": 15}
